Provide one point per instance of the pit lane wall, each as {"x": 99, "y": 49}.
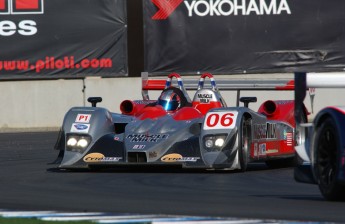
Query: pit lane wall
{"x": 41, "y": 105}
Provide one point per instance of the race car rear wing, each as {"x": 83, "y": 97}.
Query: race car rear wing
{"x": 191, "y": 83}
{"x": 305, "y": 81}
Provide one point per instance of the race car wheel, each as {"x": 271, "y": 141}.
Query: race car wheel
{"x": 326, "y": 148}
{"x": 244, "y": 143}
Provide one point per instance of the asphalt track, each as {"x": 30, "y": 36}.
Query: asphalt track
{"x": 28, "y": 182}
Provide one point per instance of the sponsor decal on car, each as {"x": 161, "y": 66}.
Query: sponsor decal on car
{"x": 271, "y": 131}
{"x": 99, "y": 157}
{"x": 272, "y": 151}
{"x": 83, "y": 118}
{"x": 146, "y": 138}
{"x": 153, "y": 154}
{"x": 80, "y": 128}
{"x": 175, "y": 157}
{"x": 262, "y": 149}
{"x": 205, "y": 98}
{"x": 260, "y": 131}
{"x": 289, "y": 139}
{"x": 139, "y": 146}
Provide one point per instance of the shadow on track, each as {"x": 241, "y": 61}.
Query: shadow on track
{"x": 156, "y": 169}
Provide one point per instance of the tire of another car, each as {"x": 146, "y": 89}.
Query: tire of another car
{"x": 326, "y": 143}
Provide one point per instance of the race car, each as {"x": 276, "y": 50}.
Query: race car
{"x": 174, "y": 130}
{"x": 323, "y": 151}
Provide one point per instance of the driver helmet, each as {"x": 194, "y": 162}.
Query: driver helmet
{"x": 169, "y": 100}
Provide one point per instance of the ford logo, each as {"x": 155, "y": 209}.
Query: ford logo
{"x": 80, "y": 126}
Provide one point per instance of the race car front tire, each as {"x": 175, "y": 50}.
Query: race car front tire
{"x": 244, "y": 143}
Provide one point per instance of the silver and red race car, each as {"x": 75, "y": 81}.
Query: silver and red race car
{"x": 174, "y": 130}
{"x": 323, "y": 151}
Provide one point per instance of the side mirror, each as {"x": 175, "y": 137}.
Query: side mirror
{"x": 247, "y": 100}
{"x": 94, "y": 100}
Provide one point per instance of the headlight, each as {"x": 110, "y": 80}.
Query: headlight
{"x": 82, "y": 143}
{"x": 72, "y": 141}
{"x": 219, "y": 142}
{"x": 209, "y": 143}
{"x": 77, "y": 143}
{"x": 214, "y": 142}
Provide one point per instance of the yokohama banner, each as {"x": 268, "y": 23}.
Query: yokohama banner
{"x": 62, "y": 38}
{"x": 244, "y": 36}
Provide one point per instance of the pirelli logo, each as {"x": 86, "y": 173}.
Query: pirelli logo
{"x": 13, "y": 7}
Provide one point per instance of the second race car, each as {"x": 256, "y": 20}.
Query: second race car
{"x": 175, "y": 130}
{"x": 323, "y": 151}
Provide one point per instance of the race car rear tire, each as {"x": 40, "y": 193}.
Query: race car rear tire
{"x": 326, "y": 143}
{"x": 244, "y": 143}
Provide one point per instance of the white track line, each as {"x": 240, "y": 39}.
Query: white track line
{"x": 106, "y": 218}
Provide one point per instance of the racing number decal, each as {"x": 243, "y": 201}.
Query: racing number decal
{"x": 220, "y": 120}
{"x": 225, "y": 120}
{"x": 83, "y": 118}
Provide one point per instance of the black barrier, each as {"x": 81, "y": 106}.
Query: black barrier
{"x": 62, "y": 38}
{"x": 135, "y": 38}
{"x": 244, "y": 36}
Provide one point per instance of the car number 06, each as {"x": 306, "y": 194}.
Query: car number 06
{"x": 220, "y": 120}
